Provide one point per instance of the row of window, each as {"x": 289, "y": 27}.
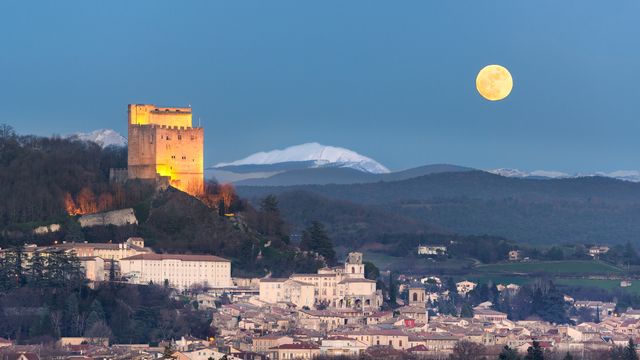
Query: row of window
{"x": 167, "y": 137}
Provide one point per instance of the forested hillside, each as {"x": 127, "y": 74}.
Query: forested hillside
{"x": 349, "y": 224}
{"x": 590, "y": 209}
{"x": 45, "y": 179}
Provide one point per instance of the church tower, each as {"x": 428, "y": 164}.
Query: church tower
{"x": 353, "y": 267}
{"x": 163, "y": 146}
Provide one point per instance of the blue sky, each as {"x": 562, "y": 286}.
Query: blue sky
{"x": 392, "y": 80}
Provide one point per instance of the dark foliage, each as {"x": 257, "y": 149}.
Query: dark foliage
{"x": 315, "y": 239}
{"x": 590, "y": 209}
{"x": 39, "y": 175}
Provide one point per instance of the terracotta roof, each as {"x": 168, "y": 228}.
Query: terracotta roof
{"x": 337, "y": 337}
{"x": 297, "y": 346}
{"x": 16, "y": 355}
{"x": 383, "y": 332}
{"x": 417, "y": 348}
{"x": 270, "y": 337}
{"x": 488, "y": 312}
{"x": 313, "y": 275}
{"x": 180, "y": 257}
{"x": 274, "y": 280}
{"x": 356, "y": 281}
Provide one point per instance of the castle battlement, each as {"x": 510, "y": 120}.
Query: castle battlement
{"x": 158, "y": 147}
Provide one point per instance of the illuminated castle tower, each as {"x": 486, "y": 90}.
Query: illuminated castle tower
{"x": 164, "y": 146}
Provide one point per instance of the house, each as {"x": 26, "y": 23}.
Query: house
{"x": 606, "y": 309}
{"x": 419, "y": 350}
{"x": 202, "y": 354}
{"x": 440, "y": 342}
{"x": 465, "y": 287}
{"x": 375, "y": 337}
{"x": 489, "y": 315}
{"x": 512, "y": 288}
{"x": 262, "y": 344}
{"x": 418, "y": 313}
{"x": 342, "y": 346}
{"x": 19, "y": 356}
{"x": 295, "y": 351}
{"x": 515, "y": 255}
{"x": 5, "y": 343}
{"x": 431, "y": 250}
{"x": 596, "y": 251}
{"x": 275, "y": 290}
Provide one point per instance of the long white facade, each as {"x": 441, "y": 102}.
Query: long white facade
{"x": 181, "y": 271}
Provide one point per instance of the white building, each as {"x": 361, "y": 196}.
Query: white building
{"x": 338, "y": 287}
{"x": 181, "y": 271}
{"x": 465, "y": 287}
{"x": 342, "y": 346}
{"x": 93, "y": 267}
{"x": 276, "y": 290}
{"x": 598, "y": 250}
{"x": 431, "y": 250}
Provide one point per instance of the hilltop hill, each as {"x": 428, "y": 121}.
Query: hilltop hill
{"x": 53, "y": 180}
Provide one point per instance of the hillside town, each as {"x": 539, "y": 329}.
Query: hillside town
{"x": 336, "y": 311}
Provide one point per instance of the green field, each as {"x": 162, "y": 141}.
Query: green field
{"x": 415, "y": 264}
{"x": 604, "y": 284}
{"x": 573, "y": 267}
{"x": 497, "y": 279}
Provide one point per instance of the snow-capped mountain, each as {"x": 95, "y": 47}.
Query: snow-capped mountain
{"x": 626, "y": 175}
{"x": 102, "y": 137}
{"x": 316, "y": 155}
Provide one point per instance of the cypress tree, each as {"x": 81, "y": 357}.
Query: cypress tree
{"x": 630, "y": 352}
{"x": 315, "y": 239}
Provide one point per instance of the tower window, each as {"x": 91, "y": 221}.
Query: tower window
{"x": 179, "y": 137}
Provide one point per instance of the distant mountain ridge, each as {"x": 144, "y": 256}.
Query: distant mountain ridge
{"x": 102, "y": 137}
{"x": 626, "y": 175}
{"x": 317, "y": 164}
{"x": 311, "y": 155}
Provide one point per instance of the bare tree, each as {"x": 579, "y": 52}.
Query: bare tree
{"x": 466, "y": 350}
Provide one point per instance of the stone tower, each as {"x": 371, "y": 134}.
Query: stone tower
{"x": 165, "y": 147}
{"x": 416, "y": 295}
{"x": 353, "y": 267}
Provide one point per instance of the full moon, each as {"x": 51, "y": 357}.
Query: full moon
{"x": 494, "y": 82}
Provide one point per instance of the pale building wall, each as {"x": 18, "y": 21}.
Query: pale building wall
{"x": 361, "y": 288}
{"x": 338, "y": 287}
{"x": 182, "y": 271}
{"x": 93, "y": 268}
{"x": 272, "y": 290}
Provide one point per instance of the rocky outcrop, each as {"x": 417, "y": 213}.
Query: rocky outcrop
{"x": 116, "y": 217}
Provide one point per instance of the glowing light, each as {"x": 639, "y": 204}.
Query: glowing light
{"x": 494, "y": 82}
